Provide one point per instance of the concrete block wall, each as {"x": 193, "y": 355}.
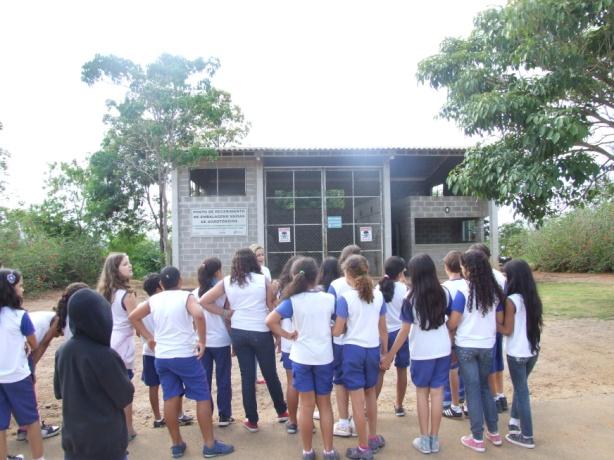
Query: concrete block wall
{"x": 459, "y": 206}
{"x": 194, "y": 249}
{"x": 438, "y": 252}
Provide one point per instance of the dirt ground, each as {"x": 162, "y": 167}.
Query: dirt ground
{"x": 575, "y": 362}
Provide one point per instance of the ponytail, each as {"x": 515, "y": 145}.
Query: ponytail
{"x": 206, "y": 272}
{"x": 357, "y": 268}
{"x": 304, "y": 275}
{"x": 393, "y": 267}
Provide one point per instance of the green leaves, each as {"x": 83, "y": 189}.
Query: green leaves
{"x": 537, "y": 75}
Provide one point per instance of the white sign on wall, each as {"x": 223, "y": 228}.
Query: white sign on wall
{"x": 219, "y": 222}
{"x": 284, "y": 235}
{"x": 366, "y": 234}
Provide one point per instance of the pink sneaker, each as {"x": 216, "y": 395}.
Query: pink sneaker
{"x": 495, "y": 438}
{"x": 473, "y": 444}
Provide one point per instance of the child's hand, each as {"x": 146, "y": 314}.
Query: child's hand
{"x": 277, "y": 344}
{"x": 200, "y": 350}
{"x": 55, "y": 326}
{"x": 292, "y": 335}
{"x": 385, "y": 362}
{"x": 151, "y": 344}
{"x": 233, "y": 353}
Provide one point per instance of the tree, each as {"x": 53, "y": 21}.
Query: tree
{"x": 171, "y": 116}
{"x": 4, "y": 156}
{"x": 536, "y": 79}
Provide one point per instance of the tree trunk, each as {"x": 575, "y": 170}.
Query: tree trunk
{"x": 163, "y": 218}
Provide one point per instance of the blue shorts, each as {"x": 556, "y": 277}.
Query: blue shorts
{"x": 401, "y": 360}
{"x": 337, "y": 364}
{"x": 430, "y": 373}
{"x": 130, "y": 374}
{"x": 179, "y": 376}
{"x": 19, "y": 399}
{"x": 360, "y": 366}
{"x": 149, "y": 376}
{"x": 286, "y": 361}
{"x": 306, "y": 378}
{"x": 497, "y": 355}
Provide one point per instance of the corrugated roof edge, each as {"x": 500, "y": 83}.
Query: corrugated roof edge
{"x": 277, "y": 151}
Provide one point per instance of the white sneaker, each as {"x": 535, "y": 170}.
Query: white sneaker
{"x": 342, "y": 429}
{"x": 316, "y": 415}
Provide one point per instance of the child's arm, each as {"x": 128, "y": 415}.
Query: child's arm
{"x": 342, "y": 313}
{"x": 129, "y": 302}
{"x": 505, "y": 320}
{"x": 339, "y": 327}
{"x": 387, "y": 358}
{"x": 110, "y": 371}
{"x": 196, "y": 311}
{"x": 53, "y": 332}
{"x": 207, "y": 301}
{"x": 136, "y": 318}
{"x": 270, "y": 296}
{"x": 273, "y": 322}
{"x": 383, "y": 333}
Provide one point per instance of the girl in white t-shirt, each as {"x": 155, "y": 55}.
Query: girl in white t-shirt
{"x": 522, "y": 325}
{"x": 473, "y": 319}
{"x": 361, "y": 312}
{"x": 114, "y": 285}
{"x": 424, "y": 321}
{"x": 393, "y": 288}
{"x": 218, "y": 351}
{"x": 16, "y": 385}
{"x": 309, "y": 312}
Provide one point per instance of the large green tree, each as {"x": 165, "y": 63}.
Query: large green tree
{"x": 534, "y": 79}
{"x": 171, "y": 116}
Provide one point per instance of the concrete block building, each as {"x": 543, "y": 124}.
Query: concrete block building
{"x": 389, "y": 201}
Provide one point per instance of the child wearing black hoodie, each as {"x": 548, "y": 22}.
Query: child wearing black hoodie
{"x": 91, "y": 379}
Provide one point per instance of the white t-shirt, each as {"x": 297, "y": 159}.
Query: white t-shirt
{"x": 248, "y": 302}
{"x": 453, "y": 286}
{"x": 67, "y": 332}
{"x": 431, "y": 344}
{"x": 517, "y": 344}
{"x": 393, "y": 308}
{"x": 148, "y": 322}
{"x": 474, "y": 330}
{"x": 337, "y": 288}
{"x": 42, "y": 322}
{"x": 173, "y": 324}
{"x": 266, "y": 272}
{"x": 217, "y": 334}
{"x": 362, "y": 318}
{"x": 310, "y": 313}
{"x": 499, "y": 278}
{"x": 15, "y": 326}
{"x": 122, "y": 336}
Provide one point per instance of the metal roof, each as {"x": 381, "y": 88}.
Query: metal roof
{"x": 391, "y": 151}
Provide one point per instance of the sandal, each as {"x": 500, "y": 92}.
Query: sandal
{"x": 451, "y": 412}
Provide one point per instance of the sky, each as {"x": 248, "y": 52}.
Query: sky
{"x": 332, "y": 73}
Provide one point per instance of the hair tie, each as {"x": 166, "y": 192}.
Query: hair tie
{"x": 386, "y": 276}
{"x": 301, "y": 272}
{"x": 11, "y": 278}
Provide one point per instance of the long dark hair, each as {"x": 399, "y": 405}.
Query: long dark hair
{"x": 207, "y": 269}
{"x": 285, "y": 277}
{"x": 243, "y": 263}
{"x": 393, "y": 267}
{"x": 426, "y": 295}
{"x": 329, "y": 272}
{"x": 61, "y": 309}
{"x": 483, "y": 287}
{"x": 357, "y": 268}
{"x": 520, "y": 281}
{"x": 304, "y": 275}
{"x": 8, "y": 295}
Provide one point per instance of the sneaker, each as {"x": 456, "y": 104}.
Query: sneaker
{"x": 283, "y": 417}
{"x": 178, "y": 450}
{"x": 453, "y": 412}
{"x": 159, "y": 423}
{"x": 218, "y": 448}
{"x": 316, "y": 415}
{"x": 249, "y": 426}
{"x": 504, "y": 405}
{"x": 342, "y": 429}
{"x": 399, "y": 411}
{"x": 434, "y": 444}
{"x": 49, "y": 431}
{"x": 225, "y": 421}
{"x": 513, "y": 429}
{"x": 353, "y": 429}
{"x": 311, "y": 455}
{"x": 185, "y": 420}
{"x": 292, "y": 428}
{"x": 520, "y": 440}
{"x": 469, "y": 441}
{"x": 422, "y": 444}
{"x": 376, "y": 443}
{"x": 261, "y": 382}
{"x": 15, "y": 457}
{"x": 22, "y": 435}
{"x": 465, "y": 408}
{"x": 495, "y": 438}
{"x": 334, "y": 455}
{"x": 358, "y": 454}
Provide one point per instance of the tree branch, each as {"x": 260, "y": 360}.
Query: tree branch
{"x": 597, "y": 149}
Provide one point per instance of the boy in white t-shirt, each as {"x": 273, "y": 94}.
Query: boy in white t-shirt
{"x": 174, "y": 313}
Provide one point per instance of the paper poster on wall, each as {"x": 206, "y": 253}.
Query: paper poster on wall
{"x": 219, "y": 222}
{"x": 334, "y": 222}
{"x": 284, "y": 235}
{"x": 366, "y": 234}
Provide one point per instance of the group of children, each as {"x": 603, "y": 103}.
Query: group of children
{"x": 333, "y": 326}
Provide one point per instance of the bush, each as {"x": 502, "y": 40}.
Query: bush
{"x": 581, "y": 241}
{"x": 145, "y": 255}
{"x": 513, "y": 240}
